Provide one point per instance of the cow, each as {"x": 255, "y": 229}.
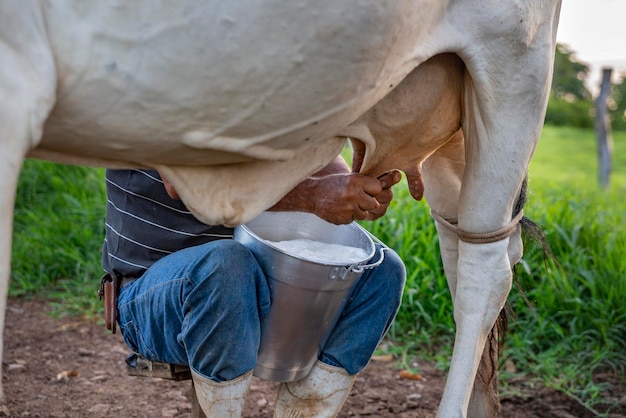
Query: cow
{"x": 237, "y": 102}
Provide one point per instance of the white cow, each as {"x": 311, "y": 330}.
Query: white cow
{"x": 236, "y": 102}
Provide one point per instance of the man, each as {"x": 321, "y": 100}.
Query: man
{"x": 191, "y": 295}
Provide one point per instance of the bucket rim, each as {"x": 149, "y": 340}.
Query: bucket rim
{"x": 354, "y": 225}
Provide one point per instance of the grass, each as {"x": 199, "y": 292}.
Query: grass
{"x": 575, "y": 325}
{"x": 566, "y": 158}
{"x": 58, "y": 233}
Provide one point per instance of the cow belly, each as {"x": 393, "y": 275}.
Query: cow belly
{"x": 243, "y": 78}
{"x": 144, "y": 139}
{"x": 139, "y": 155}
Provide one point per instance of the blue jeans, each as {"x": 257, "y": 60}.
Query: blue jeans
{"x": 203, "y": 306}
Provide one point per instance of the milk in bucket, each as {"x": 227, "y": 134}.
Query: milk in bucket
{"x": 321, "y": 252}
{"x": 311, "y": 266}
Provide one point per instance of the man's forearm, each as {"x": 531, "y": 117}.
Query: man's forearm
{"x": 302, "y": 197}
{"x": 299, "y": 199}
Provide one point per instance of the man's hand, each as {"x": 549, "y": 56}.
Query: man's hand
{"x": 343, "y": 198}
{"x": 339, "y": 196}
{"x": 385, "y": 196}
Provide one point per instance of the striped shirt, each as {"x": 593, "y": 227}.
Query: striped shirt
{"x": 143, "y": 224}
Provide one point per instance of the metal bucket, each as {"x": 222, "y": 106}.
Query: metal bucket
{"x": 307, "y": 296}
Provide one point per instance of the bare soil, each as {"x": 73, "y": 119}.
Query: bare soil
{"x": 73, "y": 367}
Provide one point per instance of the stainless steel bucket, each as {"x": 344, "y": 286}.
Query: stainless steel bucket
{"x": 307, "y": 296}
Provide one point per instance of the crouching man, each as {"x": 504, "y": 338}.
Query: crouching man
{"x": 191, "y": 295}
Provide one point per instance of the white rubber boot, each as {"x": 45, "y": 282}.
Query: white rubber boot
{"x": 222, "y": 399}
{"x": 319, "y": 395}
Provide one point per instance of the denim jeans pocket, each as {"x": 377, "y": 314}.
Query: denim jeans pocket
{"x": 135, "y": 341}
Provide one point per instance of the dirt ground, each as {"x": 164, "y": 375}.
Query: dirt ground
{"x": 74, "y": 368}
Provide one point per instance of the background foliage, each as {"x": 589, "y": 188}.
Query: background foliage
{"x": 58, "y": 233}
{"x": 571, "y": 102}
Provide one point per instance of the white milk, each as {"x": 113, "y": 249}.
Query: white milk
{"x": 322, "y": 252}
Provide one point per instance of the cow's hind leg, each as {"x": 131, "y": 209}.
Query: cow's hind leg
{"x": 505, "y": 96}
{"x": 28, "y": 98}
{"x": 443, "y": 174}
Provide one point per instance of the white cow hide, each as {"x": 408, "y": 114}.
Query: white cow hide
{"x": 237, "y": 102}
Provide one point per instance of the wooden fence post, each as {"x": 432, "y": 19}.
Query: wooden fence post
{"x": 603, "y": 129}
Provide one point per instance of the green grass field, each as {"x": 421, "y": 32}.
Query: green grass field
{"x": 58, "y": 233}
{"x": 570, "y": 321}
{"x": 567, "y": 158}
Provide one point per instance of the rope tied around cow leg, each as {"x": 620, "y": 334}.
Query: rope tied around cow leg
{"x": 479, "y": 238}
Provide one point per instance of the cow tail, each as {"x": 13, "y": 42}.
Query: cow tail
{"x": 531, "y": 233}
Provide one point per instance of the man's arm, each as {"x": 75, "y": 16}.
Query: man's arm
{"x": 340, "y": 196}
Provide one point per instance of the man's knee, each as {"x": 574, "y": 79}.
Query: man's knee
{"x": 391, "y": 274}
{"x": 228, "y": 268}
{"x": 228, "y": 258}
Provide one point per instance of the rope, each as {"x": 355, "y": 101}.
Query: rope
{"x": 479, "y": 238}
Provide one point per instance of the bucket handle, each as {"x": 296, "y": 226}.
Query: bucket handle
{"x": 337, "y": 273}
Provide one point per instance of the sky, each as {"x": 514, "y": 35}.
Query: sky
{"x": 596, "y": 31}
